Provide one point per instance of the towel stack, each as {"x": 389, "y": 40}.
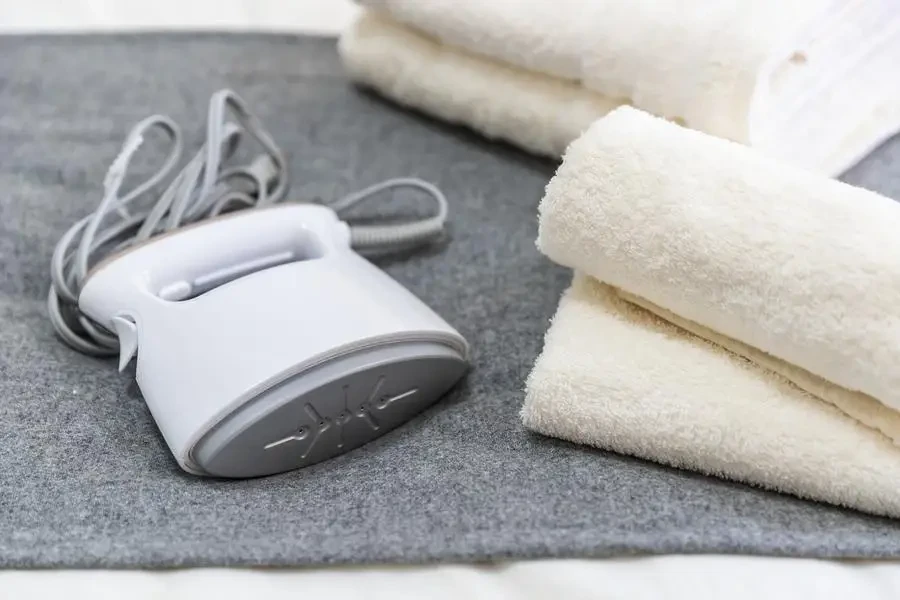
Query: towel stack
{"x": 537, "y": 73}
{"x": 729, "y": 314}
{"x": 733, "y": 310}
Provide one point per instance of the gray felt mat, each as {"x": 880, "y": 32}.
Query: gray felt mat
{"x": 85, "y": 479}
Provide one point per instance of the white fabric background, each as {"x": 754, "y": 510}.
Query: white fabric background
{"x": 306, "y": 16}
{"x": 672, "y": 577}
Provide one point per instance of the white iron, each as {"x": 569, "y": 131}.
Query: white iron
{"x": 265, "y": 343}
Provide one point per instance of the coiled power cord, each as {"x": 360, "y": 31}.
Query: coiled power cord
{"x": 204, "y": 188}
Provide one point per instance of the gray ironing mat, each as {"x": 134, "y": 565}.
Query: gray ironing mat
{"x": 85, "y": 479}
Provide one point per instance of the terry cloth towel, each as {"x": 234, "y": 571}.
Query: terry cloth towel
{"x": 811, "y": 82}
{"x": 730, "y": 314}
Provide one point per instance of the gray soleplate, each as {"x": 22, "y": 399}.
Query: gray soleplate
{"x": 330, "y": 409}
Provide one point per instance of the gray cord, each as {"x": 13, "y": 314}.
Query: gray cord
{"x": 367, "y": 238}
{"x": 204, "y": 188}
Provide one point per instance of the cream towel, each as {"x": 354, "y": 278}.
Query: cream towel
{"x": 811, "y": 81}
{"x": 795, "y": 272}
{"x": 613, "y": 376}
{"x": 539, "y": 113}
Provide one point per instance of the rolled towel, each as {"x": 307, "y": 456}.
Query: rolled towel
{"x": 810, "y": 82}
{"x": 705, "y": 255}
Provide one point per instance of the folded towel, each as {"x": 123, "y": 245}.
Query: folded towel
{"x": 614, "y": 376}
{"x": 538, "y": 113}
{"x": 795, "y": 272}
{"x": 810, "y": 82}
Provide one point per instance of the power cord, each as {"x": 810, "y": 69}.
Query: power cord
{"x": 204, "y": 188}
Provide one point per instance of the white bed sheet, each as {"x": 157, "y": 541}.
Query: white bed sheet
{"x": 673, "y": 577}
{"x": 669, "y": 577}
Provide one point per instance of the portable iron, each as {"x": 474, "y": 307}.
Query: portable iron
{"x": 264, "y": 342}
